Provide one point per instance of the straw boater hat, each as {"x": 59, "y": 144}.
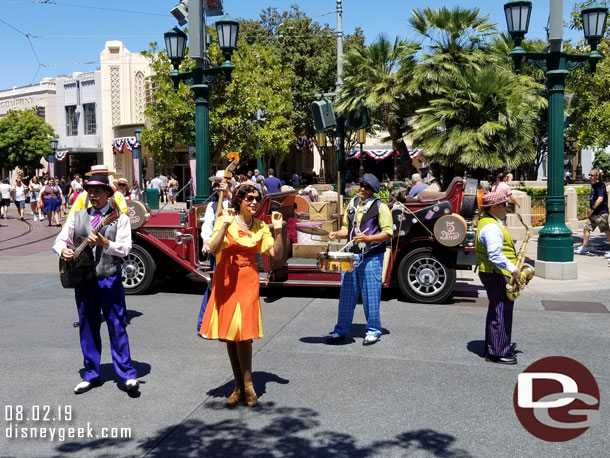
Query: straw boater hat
{"x": 99, "y": 180}
{"x": 102, "y": 169}
{"x": 493, "y": 198}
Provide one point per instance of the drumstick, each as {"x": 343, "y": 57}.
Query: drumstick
{"x": 349, "y": 244}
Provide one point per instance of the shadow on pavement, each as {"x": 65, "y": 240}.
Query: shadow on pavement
{"x": 259, "y": 379}
{"x": 477, "y": 347}
{"x": 281, "y": 434}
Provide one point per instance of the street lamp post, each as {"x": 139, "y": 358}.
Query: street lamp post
{"x": 200, "y": 80}
{"x": 555, "y": 257}
{"x": 51, "y": 157}
{"x": 137, "y": 154}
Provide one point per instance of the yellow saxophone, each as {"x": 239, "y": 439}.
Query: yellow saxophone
{"x": 513, "y": 288}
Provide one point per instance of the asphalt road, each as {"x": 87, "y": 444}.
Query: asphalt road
{"x": 423, "y": 391}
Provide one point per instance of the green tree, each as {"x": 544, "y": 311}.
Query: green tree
{"x": 257, "y": 82}
{"x": 376, "y": 76}
{"x": 485, "y": 119}
{"x": 452, "y": 40}
{"x": 24, "y": 139}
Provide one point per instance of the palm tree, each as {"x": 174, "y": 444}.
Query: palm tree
{"x": 485, "y": 119}
{"x": 376, "y": 76}
{"x": 453, "y": 40}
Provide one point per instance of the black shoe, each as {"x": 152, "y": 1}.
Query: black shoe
{"x": 510, "y": 360}
{"x": 334, "y": 338}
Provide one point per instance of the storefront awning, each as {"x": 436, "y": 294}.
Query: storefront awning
{"x": 380, "y": 152}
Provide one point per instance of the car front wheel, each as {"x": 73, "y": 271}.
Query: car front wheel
{"x": 138, "y": 270}
{"x": 426, "y": 277}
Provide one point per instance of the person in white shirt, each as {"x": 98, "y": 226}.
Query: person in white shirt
{"x": 102, "y": 287}
{"x": 497, "y": 259}
{"x": 5, "y": 195}
{"x": 20, "y": 192}
{"x": 219, "y": 183}
{"x": 164, "y": 181}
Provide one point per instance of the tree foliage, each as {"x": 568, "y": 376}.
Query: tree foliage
{"x": 257, "y": 82}
{"x": 484, "y": 120}
{"x": 24, "y": 139}
{"x": 376, "y": 76}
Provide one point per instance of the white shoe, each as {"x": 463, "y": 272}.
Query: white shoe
{"x": 607, "y": 255}
{"x": 370, "y": 339}
{"x": 35, "y": 218}
{"x": 84, "y": 386}
{"x": 132, "y": 384}
{"x": 581, "y": 250}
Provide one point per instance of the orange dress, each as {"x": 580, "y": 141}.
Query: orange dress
{"x": 234, "y": 309}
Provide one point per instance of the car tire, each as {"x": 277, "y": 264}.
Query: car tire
{"x": 138, "y": 270}
{"x": 426, "y": 277}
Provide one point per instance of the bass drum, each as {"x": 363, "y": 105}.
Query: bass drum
{"x": 469, "y": 203}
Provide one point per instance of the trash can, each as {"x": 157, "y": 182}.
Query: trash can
{"x": 152, "y": 196}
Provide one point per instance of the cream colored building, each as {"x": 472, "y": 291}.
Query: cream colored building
{"x": 125, "y": 77}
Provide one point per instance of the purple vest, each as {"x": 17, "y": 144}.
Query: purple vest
{"x": 368, "y": 223}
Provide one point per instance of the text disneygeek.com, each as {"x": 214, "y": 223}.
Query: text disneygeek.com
{"x": 34, "y": 422}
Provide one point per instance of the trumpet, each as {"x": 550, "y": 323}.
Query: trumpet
{"x": 514, "y": 288}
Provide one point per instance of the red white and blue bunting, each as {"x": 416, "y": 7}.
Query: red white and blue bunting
{"x": 381, "y": 152}
{"x": 61, "y": 155}
{"x": 120, "y": 144}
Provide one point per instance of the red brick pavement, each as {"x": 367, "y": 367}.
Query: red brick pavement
{"x": 22, "y": 238}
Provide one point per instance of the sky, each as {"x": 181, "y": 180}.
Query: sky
{"x": 47, "y": 38}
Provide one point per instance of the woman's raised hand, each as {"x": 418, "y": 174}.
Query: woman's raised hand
{"x": 228, "y": 216}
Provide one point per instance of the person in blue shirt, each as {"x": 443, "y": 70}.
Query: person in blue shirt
{"x": 272, "y": 183}
{"x": 417, "y": 185}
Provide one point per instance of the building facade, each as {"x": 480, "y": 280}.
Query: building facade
{"x": 125, "y": 80}
{"x": 80, "y": 128}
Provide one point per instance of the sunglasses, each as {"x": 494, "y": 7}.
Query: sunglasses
{"x": 252, "y": 198}
{"x": 122, "y": 185}
{"x": 365, "y": 186}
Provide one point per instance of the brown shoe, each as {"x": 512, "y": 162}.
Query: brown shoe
{"x": 251, "y": 397}
{"x": 234, "y": 397}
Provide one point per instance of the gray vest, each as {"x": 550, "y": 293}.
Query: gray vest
{"x": 105, "y": 265}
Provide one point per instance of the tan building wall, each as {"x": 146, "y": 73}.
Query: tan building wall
{"x": 124, "y": 76}
{"x": 40, "y": 95}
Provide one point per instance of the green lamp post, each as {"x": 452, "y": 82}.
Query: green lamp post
{"x": 51, "y": 157}
{"x": 555, "y": 240}
{"x": 200, "y": 80}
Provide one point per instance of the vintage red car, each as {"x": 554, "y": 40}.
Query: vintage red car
{"x": 433, "y": 237}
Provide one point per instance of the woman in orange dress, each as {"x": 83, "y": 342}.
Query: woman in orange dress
{"x": 233, "y": 313}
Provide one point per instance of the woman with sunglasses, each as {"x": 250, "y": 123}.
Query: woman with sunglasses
{"x": 233, "y": 313}
{"x": 122, "y": 186}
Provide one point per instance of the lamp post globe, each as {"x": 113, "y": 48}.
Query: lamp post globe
{"x": 138, "y": 134}
{"x": 594, "y": 18}
{"x": 518, "y": 13}
{"x": 175, "y": 45}
{"x": 227, "y": 29}
{"x": 54, "y": 143}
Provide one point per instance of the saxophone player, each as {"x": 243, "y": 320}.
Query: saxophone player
{"x": 496, "y": 260}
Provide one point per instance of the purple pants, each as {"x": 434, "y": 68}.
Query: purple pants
{"x": 499, "y": 322}
{"x": 109, "y": 296}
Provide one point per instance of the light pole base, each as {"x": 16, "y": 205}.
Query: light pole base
{"x": 558, "y": 248}
{"x": 556, "y": 270}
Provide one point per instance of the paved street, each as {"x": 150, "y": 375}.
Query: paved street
{"x": 423, "y": 391}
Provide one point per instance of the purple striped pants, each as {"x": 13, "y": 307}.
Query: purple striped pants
{"x": 499, "y": 322}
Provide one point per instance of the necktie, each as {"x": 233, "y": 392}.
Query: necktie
{"x": 97, "y": 217}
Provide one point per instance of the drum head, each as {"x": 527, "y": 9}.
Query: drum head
{"x": 136, "y": 212}
{"x": 450, "y": 230}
